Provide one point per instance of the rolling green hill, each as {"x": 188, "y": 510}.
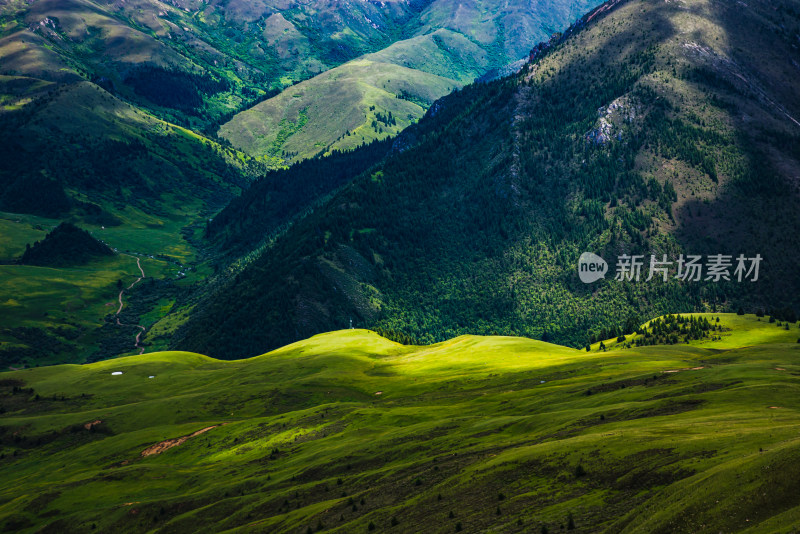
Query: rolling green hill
{"x": 647, "y": 128}
{"x": 340, "y": 109}
{"x": 444, "y": 46}
{"x": 350, "y": 432}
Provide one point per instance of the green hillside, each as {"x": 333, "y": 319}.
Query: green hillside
{"x": 444, "y": 46}
{"x": 340, "y": 109}
{"x": 645, "y": 129}
{"x": 101, "y": 109}
{"x": 476, "y": 434}
{"x": 73, "y": 152}
{"x": 193, "y": 63}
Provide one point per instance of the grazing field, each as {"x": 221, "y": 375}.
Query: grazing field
{"x": 350, "y": 432}
{"x": 340, "y": 109}
{"x": 52, "y": 314}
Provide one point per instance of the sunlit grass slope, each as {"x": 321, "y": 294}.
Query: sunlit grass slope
{"x": 337, "y": 110}
{"x": 347, "y": 430}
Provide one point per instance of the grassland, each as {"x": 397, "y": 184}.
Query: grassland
{"x": 343, "y": 105}
{"x": 477, "y": 434}
{"x": 67, "y": 305}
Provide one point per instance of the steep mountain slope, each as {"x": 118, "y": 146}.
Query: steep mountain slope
{"x": 90, "y": 95}
{"x": 651, "y": 128}
{"x": 448, "y": 44}
{"x": 349, "y": 432}
{"x": 284, "y": 195}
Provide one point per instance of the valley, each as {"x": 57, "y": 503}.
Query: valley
{"x": 647, "y": 128}
{"x": 291, "y": 267}
{"x": 109, "y": 115}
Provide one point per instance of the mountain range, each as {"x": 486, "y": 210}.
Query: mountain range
{"x": 443, "y": 46}
{"x": 399, "y": 266}
{"x": 109, "y": 113}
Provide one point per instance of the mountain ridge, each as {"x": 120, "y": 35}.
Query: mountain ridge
{"x": 453, "y": 45}
{"x": 620, "y": 140}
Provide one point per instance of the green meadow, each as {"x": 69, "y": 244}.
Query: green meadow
{"x": 350, "y": 432}
{"x": 66, "y": 305}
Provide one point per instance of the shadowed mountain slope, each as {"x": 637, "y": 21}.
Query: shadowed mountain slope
{"x": 653, "y": 128}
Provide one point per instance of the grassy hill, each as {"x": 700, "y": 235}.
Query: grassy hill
{"x": 340, "y": 109}
{"x": 476, "y": 434}
{"x": 445, "y": 45}
{"x": 646, "y": 128}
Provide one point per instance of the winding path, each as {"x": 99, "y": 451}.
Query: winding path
{"x": 142, "y": 329}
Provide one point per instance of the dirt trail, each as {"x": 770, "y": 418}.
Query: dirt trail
{"x": 142, "y": 329}
{"x": 167, "y": 444}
